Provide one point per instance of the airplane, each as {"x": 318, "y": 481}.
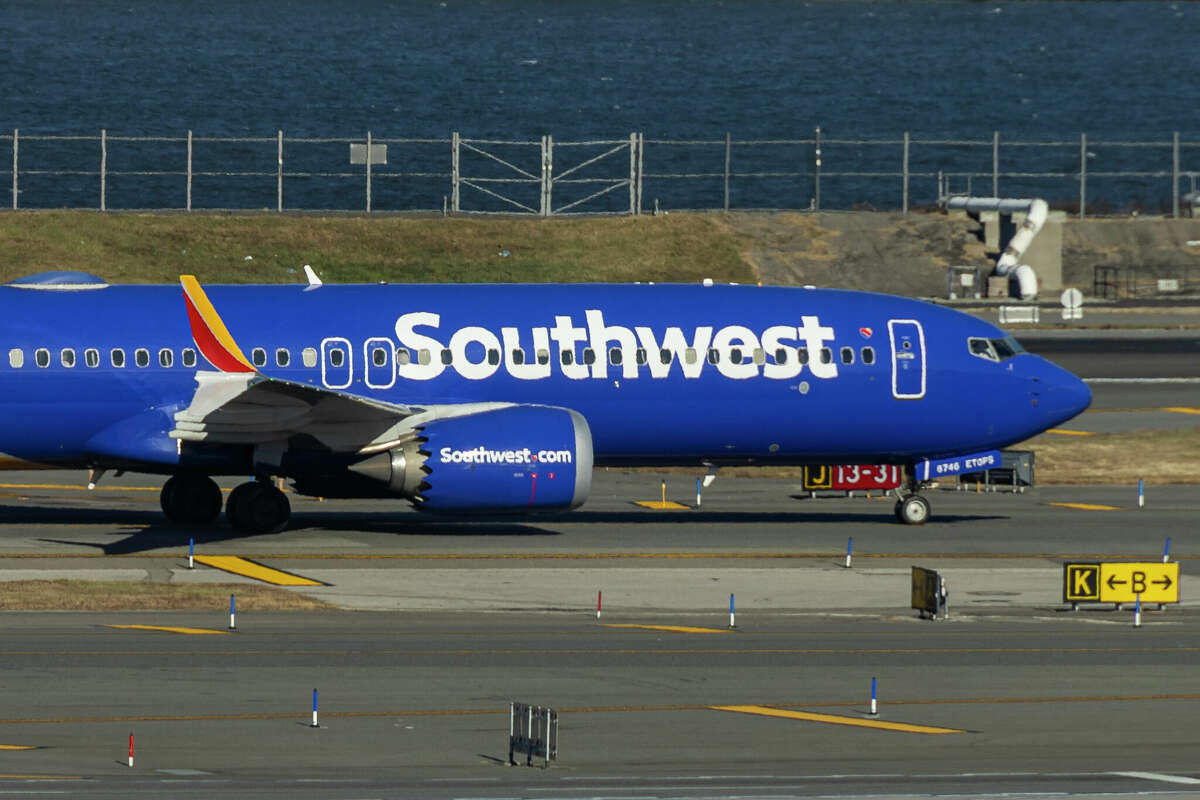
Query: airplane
{"x": 498, "y": 398}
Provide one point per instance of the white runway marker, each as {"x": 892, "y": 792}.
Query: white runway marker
{"x": 1158, "y": 776}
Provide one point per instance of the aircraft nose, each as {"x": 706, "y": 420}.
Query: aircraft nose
{"x": 1060, "y": 394}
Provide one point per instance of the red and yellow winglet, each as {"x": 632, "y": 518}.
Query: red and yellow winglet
{"x": 211, "y": 335}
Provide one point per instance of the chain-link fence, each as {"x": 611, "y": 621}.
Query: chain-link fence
{"x": 627, "y": 175}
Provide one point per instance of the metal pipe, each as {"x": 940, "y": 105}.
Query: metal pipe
{"x": 16, "y": 138}
{"x": 189, "y": 171}
{"x": 454, "y": 175}
{"x": 904, "y": 166}
{"x": 727, "y": 143}
{"x": 279, "y": 172}
{"x": 1175, "y": 175}
{"x": 817, "y": 172}
{"x": 368, "y": 172}
{"x": 995, "y": 163}
{"x": 1082, "y": 174}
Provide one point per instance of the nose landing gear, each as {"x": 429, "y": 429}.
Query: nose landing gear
{"x": 912, "y": 509}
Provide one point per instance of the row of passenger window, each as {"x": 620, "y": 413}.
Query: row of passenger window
{"x": 616, "y": 356}
{"x": 379, "y": 356}
{"x": 42, "y": 357}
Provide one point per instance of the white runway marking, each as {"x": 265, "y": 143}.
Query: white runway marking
{"x": 1158, "y": 776}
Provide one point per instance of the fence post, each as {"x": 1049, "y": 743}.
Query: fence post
{"x": 1082, "y": 174}
{"x": 1175, "y": 175}
{"x": 368, "y": 172}
{"x": 454, "y": 177}
{"x": 633, "y": 174}
{"x": 995, "y": 163}
{"x": 727, "y": 143}
{"x": 103, "y": 166}
{"x": 641, "y": 152}
{"x": 189, "y": 171}
{"x": 816, "y": 205}
{"x": 904, "y": 192}
{"x": 547, "y": 174}
{"x": 16, "y": 137}
{"x": 279, "y": 172}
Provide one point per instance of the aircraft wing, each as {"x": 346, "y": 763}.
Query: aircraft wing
{"x": 238, "y": 405}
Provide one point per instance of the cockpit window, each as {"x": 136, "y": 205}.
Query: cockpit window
{"x": 994, "y": 349}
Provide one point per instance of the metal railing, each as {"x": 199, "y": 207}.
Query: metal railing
{"x": 628, "y": 175}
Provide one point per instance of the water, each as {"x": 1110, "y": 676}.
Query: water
{"x": 586, "y": 69}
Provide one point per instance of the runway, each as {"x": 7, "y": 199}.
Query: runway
{"x": 448, "y": 620}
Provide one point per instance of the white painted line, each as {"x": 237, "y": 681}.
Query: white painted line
{"x": 1141, "y": 380}
{"x": 1158, "y": 776}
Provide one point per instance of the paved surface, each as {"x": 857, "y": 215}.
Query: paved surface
{"x": 472, "y": 614}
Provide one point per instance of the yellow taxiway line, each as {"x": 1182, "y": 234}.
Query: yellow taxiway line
{"x": 259, "y": 572}
{"x": 18, "y": 747}
{"x": 1086, "y": 506}
{"x": 835, "y": 719}
{"x": 669, "y": 628}
{"x": 1065, "y": 432}
{"x": 662, "y": 505}
{"x": 169, "y": 629}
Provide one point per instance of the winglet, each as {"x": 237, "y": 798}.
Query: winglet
{"x": 209, "y": 332}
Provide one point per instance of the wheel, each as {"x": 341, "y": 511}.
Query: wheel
{"x": 190, "y": 499}
{"x": 913, "y": 510}
{"x": 258, "y": 508}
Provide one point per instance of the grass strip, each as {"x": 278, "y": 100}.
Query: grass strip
{"x": 158, "y": 248}
{"x": 81, "y": 595}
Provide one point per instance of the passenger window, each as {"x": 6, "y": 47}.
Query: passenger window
{"x": 543, "y": 357}
{"x": 308, "y": 356}
{"x": 16, "y": 358}
{"x": 826, "y": 355}
{"x": 868, "y": 355}
{"x": 91, "y": 357}
{"x": 664, "y": 356}
{"x": 690, "y": 355}
{"x": 336, "y": 357}
{"x": 641, "y": 357}
{"x": 258, "y": 357}
{"x": 282, "y": 357}
{"x": 589, "y": 356}
{"x": 735, "y": 355}
{"x": 403, "y": 355}
{"x": 41, "y": 357}
{"x": 615, "y": 356}
{"x": 493, "y": 357}
{"x": 117, "y": 357}
{"x": 713, "y": 355}
{"x": 781, "y": 355}
{"x": 518, "y": 356}
{"x": 141, "y": 357}
{"x": 424, "y": 357}
{"x": 568, "y": 357}
{"x": 188, "y": 357}
{"x": 447, "y": 356}
{"x": 379, "y": 356}
{"x": 758, "y": 356}
{"x": 166, "y": 357}
{"x": 802, "y": 353}
{"x": 67, "y": 357}
{"x": 847, "y": 355}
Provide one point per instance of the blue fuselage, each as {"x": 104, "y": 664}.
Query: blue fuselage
{"x": 661, "y": 373}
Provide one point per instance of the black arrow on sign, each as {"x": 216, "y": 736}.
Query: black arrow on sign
{"x": 1166, "y": 582}
{"x": 1113, "y": 582}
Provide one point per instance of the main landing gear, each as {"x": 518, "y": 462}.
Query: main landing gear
{"x": 254, "y": 507}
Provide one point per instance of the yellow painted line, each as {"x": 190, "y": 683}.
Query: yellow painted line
{"x": 670, "y": 628}
{"x": 168, "y": 629}
{"x": 259, "y": 572}
{"x": 1182, "y": 410}
{"x": 834, "y": 719}
{"x": 1086, "y": 506}
{"x": 741, "y": 555}
{"x": 470, "y": 712}
{"x": 18, "y": 747}
{"x": 1065, "y": 432}
{"x": 659, "y": 505}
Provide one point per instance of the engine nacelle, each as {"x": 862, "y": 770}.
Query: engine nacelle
{"x": 511, "y": 459}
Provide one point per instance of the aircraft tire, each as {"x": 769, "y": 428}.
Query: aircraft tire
{"x": 190, "y": 499}
{"x": 913, "y": 510}
{"x": 258, "y": 508}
